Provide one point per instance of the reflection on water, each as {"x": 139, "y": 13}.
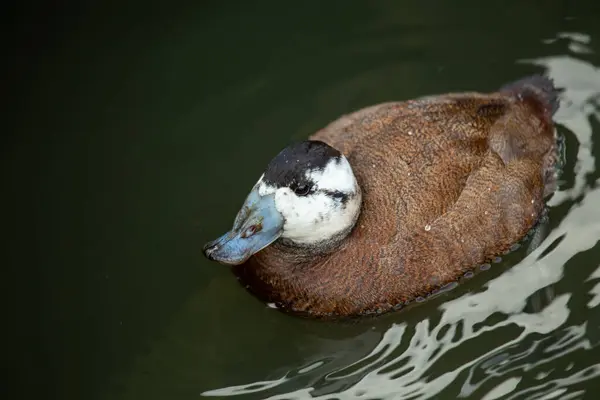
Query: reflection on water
{"x": 527, "y": 307}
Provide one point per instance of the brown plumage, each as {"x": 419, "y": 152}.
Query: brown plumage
{"x": 448, "y": 182}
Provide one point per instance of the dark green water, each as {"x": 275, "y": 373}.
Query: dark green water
{"x": 137, "y": 132}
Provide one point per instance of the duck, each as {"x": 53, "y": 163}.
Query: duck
{"x": 389, "y": 203}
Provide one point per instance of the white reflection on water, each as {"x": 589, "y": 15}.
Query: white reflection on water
{"x": 392, "y": 371}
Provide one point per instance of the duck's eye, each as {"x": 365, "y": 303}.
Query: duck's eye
{"x": 302, "y": 190}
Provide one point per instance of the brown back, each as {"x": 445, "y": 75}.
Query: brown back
{"x": 448, "y": 182}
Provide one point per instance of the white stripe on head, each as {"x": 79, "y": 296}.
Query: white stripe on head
{"x": 336, "y": 176}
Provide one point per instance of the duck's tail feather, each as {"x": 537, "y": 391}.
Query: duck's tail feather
{"x": 538, "y": 87}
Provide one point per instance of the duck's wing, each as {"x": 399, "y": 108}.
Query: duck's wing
{"x": 502, "y": 198}
{"x": 450, "y": 181}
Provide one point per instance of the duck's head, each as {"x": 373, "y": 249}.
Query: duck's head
{"x": 308, "y": 197}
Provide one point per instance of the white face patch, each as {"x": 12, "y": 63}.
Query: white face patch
{"x": 320, "y": 215}
{"x": 337, "y": 176}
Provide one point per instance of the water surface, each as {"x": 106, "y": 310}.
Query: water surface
{"x": 139, "y": 132}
